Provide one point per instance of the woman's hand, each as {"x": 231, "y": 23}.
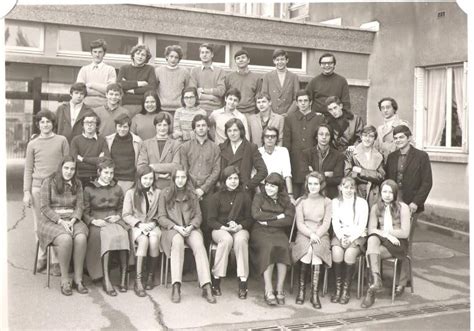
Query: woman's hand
{"x": 314, "y": 238}
{"x": 394, "y": 240}
{"x": 150, "y": 226}
{"x": 66, "y": 225}
{"x": 265, "y": 223}
{"x": 27, "y": 199}
{"x": 99, "y": 222}
{"x": 112, "y": 218}
{"x": 142, "y": 83}
{"x": 142, "y": 227}
{"x": 280, "y": 216}
{"x": 189, "y": 229}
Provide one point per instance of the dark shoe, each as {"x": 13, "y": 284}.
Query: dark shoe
{"x": 109, "y": 290}
{"x": 368, "y": 300}
{"x": 301, "y": 284}
{"x": 346, "y": 288}
{"x": 41, "y": 265}
{"x": 314, "y": 288}
{"x": 216, "y": 286}
{"x": 338, "y": 273}
{"x": 399, "y": 290}
{"x": 66, "y": 288}
{"x": 280, "y": 297}
{"x": 80, "y": 287}
{"x": 270, "y": 299}
{"x": 374, "y": 263}
{"x": 176, "y": 293}
{"x": 138, "y": 288}
{"x": 207, "y": 293}
{"x": 243, "y": 290}
{"x": 55, "y": 270}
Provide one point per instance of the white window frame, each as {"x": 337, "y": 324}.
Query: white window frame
{"x": 270, "y": 68}
{"x": 22, "y": 49}
{"x": 295, "y": 6}
{"x": 420, "y": 115}
{"x": 108, "y": 56}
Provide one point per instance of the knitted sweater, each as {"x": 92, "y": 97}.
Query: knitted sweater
{"x": 142, "y": 125}
{"x": 183, "y": 117}
{"x": 321, "y": 87}
{"x": 128, "y": 78}
{"x": 123, "y": 154}
{"x": 249, "y": 84}
{"x": 208, "y": 78}
{"x": 170, "y": 84}
{"x": 107, "y": 118}
{"x": 89, "y": 149}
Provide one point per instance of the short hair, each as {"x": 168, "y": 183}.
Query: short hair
{"x": 233, "y": 91}
{"x": 392, "y": 101}
{"x": 97, "y": 119}
{"x": 322, "y": 182}
{"x": 200, "y": 117}
{"x": 99, "y": 43}
{"x": 402, "y": 129}
{"x": 141, "y": 47}
{"x": 239, "y": 124}
{"x": 208, "y": 46}
{"x": 80, "y": 87}
{"x": 333, "y": 99}
{"x": 261, "y": 95}
{"x": 190, "y": 89}
{"x": 104, "y": 162}
{"x": 114, "y": 87}
{"x": 241, "y": 52}
{"x": 174, "y": 48}
{"x": 163, "y": 116}
{"x": 46, "y": 114}
{"x": 229, "y": 170}
{"x": 370, "y": 129}
{"x": 327, "y": 55}
{"x": 327, "y": 126}
{"x": 279, "y": 52}
{"x": 153, "y": 94}
{"x": 270, "y": 128}
{"x": 302, "y": 92}
{"x": 122, "y": 119}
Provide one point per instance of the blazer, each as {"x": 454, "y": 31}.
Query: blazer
{"x": 246, "y": 158}
{"x": 256, "y": 129}
{"x": 417, "y": 177}
{"x": 283, "y": 97}
{"x": 136, "y": 140}
{"x": 63, "y": 115}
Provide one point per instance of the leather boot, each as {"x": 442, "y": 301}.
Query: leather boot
{"x": 150, "y": 281}
{"x": 374, "y": 262}
{"x": 176, "y": 292}
{"x": 346, "y": 289}
{"x": 216, "y": 286}
{"x": 369, "y": 299}
{"x": 139, "y": 290}
{"x": 314, "y": 287}
{"x": 301, "y": 283}
{"x": 207, "y": 293}
{"x": 338, "y": 274}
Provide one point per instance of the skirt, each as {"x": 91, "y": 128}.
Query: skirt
{"x": 48, "y": 231}
{"x": 322, "y": 250}
{"x": 361, "y": 241}
{"x": 396, "y": 251}
{"x": 268, "y": 246}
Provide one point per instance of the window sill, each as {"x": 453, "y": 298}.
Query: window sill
{"x": 447, "y": 157}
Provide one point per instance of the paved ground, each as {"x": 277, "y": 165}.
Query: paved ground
{"x": 441, "y": 269}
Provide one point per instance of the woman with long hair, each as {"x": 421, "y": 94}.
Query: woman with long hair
{"x": 142, "y": 123}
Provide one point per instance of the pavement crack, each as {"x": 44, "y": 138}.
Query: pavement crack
{"x": 17, "y": 267}
{"x": 158, "y": 312}
{"x": 22, "y": 217}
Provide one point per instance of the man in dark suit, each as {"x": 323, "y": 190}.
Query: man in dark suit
{"x": 411, "y": 169}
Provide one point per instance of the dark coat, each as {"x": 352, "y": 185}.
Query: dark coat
{"x": 246, "y": 158}
{"x": 63, "y": 114}
{"x": 417, "y": 178}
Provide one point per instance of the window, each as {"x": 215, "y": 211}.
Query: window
{"x": 24, "y": 37}
{"x": 298, "y": 10}
{"x": 191, "y": 50}
{"x": 261, "y": 58}
{"x": 441, "y": 108}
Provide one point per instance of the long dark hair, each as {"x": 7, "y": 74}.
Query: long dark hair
{"x": 394, "y": 205}
{"x": 58, "y": 180}
{"x": 139, "y": 189}
{"x": 157, "y": 101}
{"x": 226, "y": 173}
{"x": 188, "y": 190}
{"x": 276, "y": 179}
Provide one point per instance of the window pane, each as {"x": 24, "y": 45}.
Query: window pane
{"x": 19, "y": 127}
{"x": 23, "y": 35}
{"x": 79, "y": 41}
{"x": 190, "y": 49}
{"x": 263, "y": 57}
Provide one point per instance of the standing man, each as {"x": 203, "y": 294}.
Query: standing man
{"x": 327, "y": 84}
{"x": 299, "y": 129}
{"x": 97, "y": 75}
{"x": 410, "y": 168}
{"x": 111, "y": 110}
{"x": 209, "y": 80}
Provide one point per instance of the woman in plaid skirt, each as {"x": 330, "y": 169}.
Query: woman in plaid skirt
{"x": 61, "y": 225}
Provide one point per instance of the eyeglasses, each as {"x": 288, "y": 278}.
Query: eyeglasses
{"x": 270, "y": 136}
{"x": 326, "y": 64}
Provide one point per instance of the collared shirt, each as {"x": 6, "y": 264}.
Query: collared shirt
{"x": 235, "y": 146}
{"x": 74, "y": 110}
{"x": 220, "y": 118}
{"x": 207, "y": 67}
{"x": 93, "y": 137}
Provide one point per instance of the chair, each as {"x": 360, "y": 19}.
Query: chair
{"x": 48, "y": 261}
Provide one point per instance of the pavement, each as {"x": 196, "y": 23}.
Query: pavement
{"x": 441, "y": 280}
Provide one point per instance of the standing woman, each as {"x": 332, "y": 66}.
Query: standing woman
{"x": 183, "y": 117}
{"x": 139, "y": 211}
{"x": 365, "y": 165}
{"x": 136, "y": 78}
{"x": 142, "y": 123}
{"x": 273, "y": 213}
{"x": 389, "y": 228}
{"x": 61, "y": 206}
{"x": 230, "y": 218}
{"x": 103, "y": 202}
{"x": 349, "y": 222}
{"x": 179, "y": 215}
{"x": 313, "y": 218}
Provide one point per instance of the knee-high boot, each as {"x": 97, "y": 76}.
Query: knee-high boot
{"x": 139, "y": 290}
{"x": 302, "y": 283}
{"x": 338, "y": 273}
{"x": 150, "y": 282}
{"x": 346, "y": 288}
{"x": 314, "y": 287}
{"x": 376, "y": 286}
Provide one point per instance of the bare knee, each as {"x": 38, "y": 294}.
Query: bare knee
{"x": 63, "y": 241}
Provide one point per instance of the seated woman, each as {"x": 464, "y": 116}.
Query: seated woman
{"x": 103, "y": 202}
{"x": 183, "y": 117}
{"x": 230, "y": 218}
{"x": 389, "y": 228}
{"x": 179, "y": 215}
{"x": 140, "y": 207}
{"x": 273, "y": 213}
{"x": 313, "y": 218}
{"x": 349, "y": 222}
{"x": 365, "y": 164}
{"x": 61, "y": 225}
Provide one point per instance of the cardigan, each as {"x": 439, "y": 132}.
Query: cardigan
{"x": 345, "y": 223}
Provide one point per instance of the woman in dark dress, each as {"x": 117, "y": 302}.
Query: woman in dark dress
{"x": 61, "y": 225}
{"x": 273, "y": 213}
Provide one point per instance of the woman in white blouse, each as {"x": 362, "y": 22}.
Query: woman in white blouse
{"x": 349, "y": 222}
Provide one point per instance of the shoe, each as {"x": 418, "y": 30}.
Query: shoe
{"x": 138, "y": 288}
{"x": 369, "y": 299}
{"x": 176, "y": 293}
{"x": 301, "y": 284}
{"x": 399, "y": 290}
{"x": 41, "y": 265}
{"x": 346, "y": 288}
{"x": 338, "y": 273}
{"x": 55, "y": 270}
{"x": 314, "y": 288}
{"x": 207, "y": 293}
{"x": 270, "y": 299}
{"x": 109, "y": 291}
{"x": 216, "y": 286}
{"x": 66, "y": 289}
{"x": 243, "y": 290}
{"x": 280, "y": 297}
{"x": 80, "y": 287}
{"x": 374, "y": 262}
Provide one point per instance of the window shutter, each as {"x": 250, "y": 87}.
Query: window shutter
{"x": 419, "y": 107}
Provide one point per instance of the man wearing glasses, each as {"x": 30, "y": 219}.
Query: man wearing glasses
{"x": 328, "y": 83}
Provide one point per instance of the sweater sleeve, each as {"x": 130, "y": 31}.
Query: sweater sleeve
{"x": 213, "y": 212}
{"x": 86, "y": 217}
{"x": 287, "y": 220}
{"x": 257, "y": 213}
{"x": 150, "y": 79}
{"x": 28, "y": 171}
{"x": 300, "y": 224}
{"x": 324, "y": 228}
{"x": 246, "y": 212}
{"x": 123, "y": 81}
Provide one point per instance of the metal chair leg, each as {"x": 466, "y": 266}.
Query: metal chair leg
{"x": 360, "y": 276}
{"x": 48, "y": 262}
{"x": 36, "y": 257}
{"x": 162, "y": 265}
{"x": 325, "y": 282}
{"x": 166, "y": 271}
{"x": 394, "y": 283}
{"x": 291, "y": 278}
{"x": 411, "y": 274}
